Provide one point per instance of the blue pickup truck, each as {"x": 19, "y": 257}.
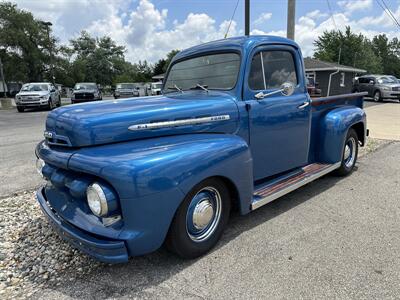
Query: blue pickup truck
{"x": 233, "y": 129}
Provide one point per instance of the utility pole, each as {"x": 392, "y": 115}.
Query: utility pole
{"x": 47, "y": 25}
{"x": 3, "y": 81}
{"x": 291, "y": 16}
{"x": 247, "y": 17}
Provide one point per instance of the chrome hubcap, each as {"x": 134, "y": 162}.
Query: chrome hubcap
{"x": 376, "y": 98}
{"x": 203, "y": 215}
{"x": 349, "y": 152}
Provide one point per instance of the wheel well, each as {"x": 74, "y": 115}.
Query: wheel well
{"x": 233, "y": 191}
{"x": 359, "y": 129}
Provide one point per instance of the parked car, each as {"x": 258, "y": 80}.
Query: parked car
{"x": 86, "y": 91}
{"x": 126, "y": 90}
{"x": 378, "y": 86}
{"x": 37, "y": 94}
{"x": 312, "y": 88}
{"x": 234, "y": 129}
{"x": 155, "y": 88}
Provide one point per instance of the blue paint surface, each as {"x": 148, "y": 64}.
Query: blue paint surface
{"x": 151, "y": 171}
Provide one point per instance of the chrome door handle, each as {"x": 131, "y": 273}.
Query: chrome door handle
{"x": 305, "y": 104}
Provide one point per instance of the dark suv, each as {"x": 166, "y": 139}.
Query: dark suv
{"x": 378, "y": 86}
{"x": 86, "y": 91}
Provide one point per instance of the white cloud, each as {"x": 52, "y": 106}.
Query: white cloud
{"x": 262, "y": 18}
{"x": 316, "y": 14}
{"x": 145, "y": 35}
{"x": 148, "y": 34}
{"x": 354, "y": 5}
{"x": 70, "y": 17}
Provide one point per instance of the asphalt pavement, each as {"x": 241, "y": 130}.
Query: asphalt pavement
{"x": 19, "y": 135}
{"x": 336, "y": 238}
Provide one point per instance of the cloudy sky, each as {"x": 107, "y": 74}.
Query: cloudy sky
{"x": 150, "y": 28}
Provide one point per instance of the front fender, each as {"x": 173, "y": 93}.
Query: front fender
{"x": 153, "y": 176}
{"x": 334, "y": 127}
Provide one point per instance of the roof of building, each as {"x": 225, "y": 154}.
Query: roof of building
{"x": 312, "y": 64}
{"x": 159, "y": 76}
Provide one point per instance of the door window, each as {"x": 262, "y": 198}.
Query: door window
{"x": 269, "y": 69}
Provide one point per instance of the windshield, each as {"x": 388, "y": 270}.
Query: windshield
{"x": 85, "y": 86}
{"x": 34, "y": 87}
{"x": 125, "y": 86}
{"x": 215, "y": 71}
{"x": 387, "y": 79}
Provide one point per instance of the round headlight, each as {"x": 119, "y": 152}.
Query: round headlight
{"x": 39, "y": 166}
{"x": 97, "y": 200}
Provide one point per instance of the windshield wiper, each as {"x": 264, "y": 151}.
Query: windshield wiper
{"x": 175, "y": 87}
{"x": 199, "y": 86}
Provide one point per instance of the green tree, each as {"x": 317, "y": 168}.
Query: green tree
{"x": 388, "y": 52}
{"x": 170, "y": 56}
{"x": 96, "y": 59}
{"x": 354, "y": 50}
{"x": 24, "y": 45}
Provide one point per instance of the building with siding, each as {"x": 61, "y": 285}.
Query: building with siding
{"x": 331, "y": 78}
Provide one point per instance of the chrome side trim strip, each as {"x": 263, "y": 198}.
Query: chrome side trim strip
{"x": 184, "y": 122}
{"x": 270, "y": 198}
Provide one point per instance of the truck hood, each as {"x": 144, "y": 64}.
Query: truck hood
{"x": 111, "y": 121}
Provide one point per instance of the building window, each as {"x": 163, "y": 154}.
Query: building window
{"x": 342, "y": 79}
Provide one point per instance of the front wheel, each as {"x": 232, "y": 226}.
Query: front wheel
{"x": 200, "y": 219}
{"x": 50, "y": 105}
{"x": 377, "y": 96}
{"x": 350, "y": 152}
{"x": 20, "y": 108}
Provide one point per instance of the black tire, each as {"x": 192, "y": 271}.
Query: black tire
{"x": 377, "y": 96}
{"x": 20, "y": 109}
{"x": 59, "y": 102}
{"x": 50, "y": 106}
{"x": 179, "y": 239}
{"x": 348, "y": 163}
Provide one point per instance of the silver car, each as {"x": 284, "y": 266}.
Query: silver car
{"x": 38, "y": 94}
{"x": 379, "y": 87}
{"x": 126, "y": 90}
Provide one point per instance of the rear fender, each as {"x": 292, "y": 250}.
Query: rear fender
{"x": 334, "y": 127}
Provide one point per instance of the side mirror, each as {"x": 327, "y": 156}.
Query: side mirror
{"x": 371, "y": 82}
{"x": 286, "y": 89}
{"x": 52, "y": 90}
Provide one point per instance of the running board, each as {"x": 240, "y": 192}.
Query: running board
{"x": 271, "y": 191}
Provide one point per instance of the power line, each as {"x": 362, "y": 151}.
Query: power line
{"x": 388, "y": 14}
{"x": 230, "y": 22}
{"x": 331, "y": 13}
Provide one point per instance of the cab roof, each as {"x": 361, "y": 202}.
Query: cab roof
{"x": 241, "y": 43}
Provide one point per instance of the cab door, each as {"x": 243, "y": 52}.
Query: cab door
{"x": 279, "y": 125}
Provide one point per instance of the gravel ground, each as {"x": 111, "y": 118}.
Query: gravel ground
{"x": 33, "y": 257}
{"x": 31, "y": 254}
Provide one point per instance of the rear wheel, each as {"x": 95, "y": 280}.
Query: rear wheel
{"x": 200, "y": 219}
{"x": 59, "y": 102}
{"x": 350, "y": 152}
{"x": 377, "y": 96}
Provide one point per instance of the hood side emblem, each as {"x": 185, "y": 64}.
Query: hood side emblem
{"x": 184, "y": 122}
